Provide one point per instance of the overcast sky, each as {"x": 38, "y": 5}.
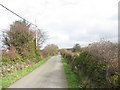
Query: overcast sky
{"x": 66, "y": 22}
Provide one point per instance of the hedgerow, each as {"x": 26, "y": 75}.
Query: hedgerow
{"x": 96, "y": 68}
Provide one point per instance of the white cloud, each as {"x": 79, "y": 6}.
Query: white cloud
{"x": 67, "y": 21}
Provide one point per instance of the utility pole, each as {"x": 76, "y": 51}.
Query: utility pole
{"x": 36, "y": 33}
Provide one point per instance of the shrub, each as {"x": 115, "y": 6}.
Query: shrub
{"x": 93, "y": 62}
{"x": 50, "y": 50}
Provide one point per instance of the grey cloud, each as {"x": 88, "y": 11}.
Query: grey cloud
{"x": 73, "y": 30}
{"x": 102, "y": 31}
{"x": 70, "y": 3}
{"x": 95, "y": 33}
{"x": 114, "y": 17}
{"x": 62, "y": 17}
{"x": 68, "y": 28}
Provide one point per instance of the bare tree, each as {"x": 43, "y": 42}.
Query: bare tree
{"x": 41, "y": 37}
{"x": 50, "y": 50}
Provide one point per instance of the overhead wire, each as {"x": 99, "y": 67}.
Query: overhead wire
{"x": 17, "y": 15}
{"x": 22, "y": 18}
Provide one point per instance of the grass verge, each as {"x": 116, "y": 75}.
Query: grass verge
{"x": 12, "y": 77}
{"x": 72, "y": 78}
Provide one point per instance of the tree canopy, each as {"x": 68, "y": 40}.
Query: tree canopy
{"x": 51, "y": 50}
{"x": 76, "y": 48}
{"x": 23, "y": 38}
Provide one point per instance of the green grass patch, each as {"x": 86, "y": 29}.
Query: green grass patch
{"x": 72, "y": 78}
{"x": 12, "y": 77}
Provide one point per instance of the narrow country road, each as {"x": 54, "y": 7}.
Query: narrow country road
{"x": 49, "y": 75}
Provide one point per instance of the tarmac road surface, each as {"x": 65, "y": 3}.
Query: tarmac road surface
{"x": 49, "y": 75}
